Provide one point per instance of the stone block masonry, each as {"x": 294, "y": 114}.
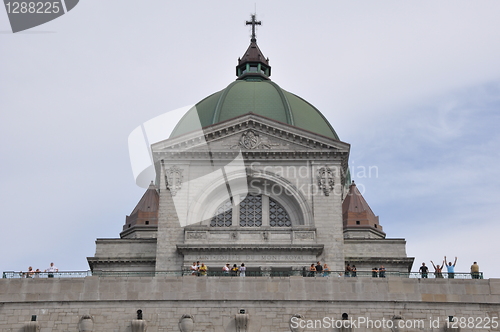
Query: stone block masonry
{"x": 270, "y": 303}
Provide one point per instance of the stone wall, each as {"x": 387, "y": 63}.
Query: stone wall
{"x": 268, "y": 303}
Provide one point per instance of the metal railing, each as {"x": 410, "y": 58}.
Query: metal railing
{"x": 40, "y": 275}
{"x": 263, "y": 273}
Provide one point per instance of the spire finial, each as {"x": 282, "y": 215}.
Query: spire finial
{"x": 253, "y": 22}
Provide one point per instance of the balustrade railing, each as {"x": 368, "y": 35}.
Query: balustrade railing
{"x": 261, "y": 273}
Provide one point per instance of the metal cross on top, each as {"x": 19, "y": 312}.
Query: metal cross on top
{"x": 253, "y": 22}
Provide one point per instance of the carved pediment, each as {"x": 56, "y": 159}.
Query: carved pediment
{"x": 251, "y": 133}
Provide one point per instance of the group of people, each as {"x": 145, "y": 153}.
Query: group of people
{"x": 234, "y": 271}
{"x": 198, "y": 269}
{"x": 36, "y": 274}
{"x": 380, "y": 272}
{"x": 450, "y": 268}
{"x": 319, "y": 270}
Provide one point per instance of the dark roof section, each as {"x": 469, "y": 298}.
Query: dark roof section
{"x": 149, "y": 201}
{"x": 145, "y": 213}
{"x": 356, "y": 213}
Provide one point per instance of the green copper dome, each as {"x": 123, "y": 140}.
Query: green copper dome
{"x": 262, "y": 97}
{"x": 253, "y": 92}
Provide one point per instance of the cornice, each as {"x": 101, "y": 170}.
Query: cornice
{"x": 189, "y": 248}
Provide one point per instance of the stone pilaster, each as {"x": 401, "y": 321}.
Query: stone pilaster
{"x": 170, "y": 232}
{"x": 327, "y": 210}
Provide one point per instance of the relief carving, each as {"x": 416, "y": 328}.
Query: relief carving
{"x": 251, "y": 140}
{"x": 173, "y": 178}
{"x": 325, "y": 180}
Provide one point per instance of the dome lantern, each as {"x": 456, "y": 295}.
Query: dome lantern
{"x": 253, "y": 65}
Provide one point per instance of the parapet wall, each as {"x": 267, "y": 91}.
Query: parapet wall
{"x": 268, "y": 303}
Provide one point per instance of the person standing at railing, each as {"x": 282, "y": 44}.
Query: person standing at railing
{"x": 474, "y": 271}
{"x": 312, "y": 270}
{"x": 374, "y": 272}
{"x": 194, "y": 269}
{"x": 319, "y": 269}
{"x": 381, "y": 271}
{"x": 424, "y": 270}
{"x": 326, "y": 270}
{"x": 30, "y": 272}
{"x": 225, "y": 270}
{"x": 347, "y": 271}
{"x": 438, "y": 269}
{"x": 451, "y": 268}
{"x": 353, "y": 270}
{"x": 203, "y": 270}
{"x": 243, "y": 270}
{"x": 37, "y": 273}
{"x": 234, "y": 270}
{"x": 51, "y": 269}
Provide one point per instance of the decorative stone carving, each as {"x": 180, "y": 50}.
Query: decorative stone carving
{"x": 265, "y": 235}
{"x": 32, "y": 326}
{"x": 304, "y": 235}
{"x": 86, "y": 324}
{"x": 174, "y": 178}
{"x": 139, "y": 325}
{"x": 295, "y": 323}
{"x": 241, "y": 322}
{"x": 196, "y": 235}
{"x": 186, "y": 323}
{"x": 325, "y": 180}
{"x": 251, "y": 140}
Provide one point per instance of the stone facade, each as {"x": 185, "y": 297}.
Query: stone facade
{"x": 214, "y": 303}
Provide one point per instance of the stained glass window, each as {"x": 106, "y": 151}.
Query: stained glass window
{"x": 277, "y": 215}
{"x": 224, "y": 216}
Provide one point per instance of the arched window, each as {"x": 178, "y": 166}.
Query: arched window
{"x": 277, "y": 215}
{"x": 252, "y": 211}
{"x": 223, "y": 216}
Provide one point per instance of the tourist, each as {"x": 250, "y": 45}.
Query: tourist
{"x": 37, "y": 273}
{"x": 424, "y": 270}
{"x": 194, "y": 269}
{"x": 353, "y": 270}
{"x": 381, "y": 271}
{"x": 203, "y": 270}
{"x": 312, "y": 270}
{"x": 326, "y": 270}
{"x": 30, "y": 272}
{"x": 451, "y": 268}
{"x": 347, "y": 271}
{"x": 474, "y": 271}
{"x": 234, "y": 271}
{"x": 225, "y": 270}
{"x": 243, "y": 270}
{"x": 374, "y": 272}
{"x": 319, "y": 269}
{"x": 438, "y": 269}
{"x": 198, "y": 265}
{"x": 51, "y": 269}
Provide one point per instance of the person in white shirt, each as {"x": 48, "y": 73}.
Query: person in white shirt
{"x": 51, "y": 269}
{"x": 242, "y": 270}
{"x": 194, "y": 269}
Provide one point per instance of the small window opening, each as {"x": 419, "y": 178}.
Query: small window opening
{"x": 147, "y": 222}
{"x": 358, "y": 222}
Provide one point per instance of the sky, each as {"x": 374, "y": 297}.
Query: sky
{"x": 413, "y": 86}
